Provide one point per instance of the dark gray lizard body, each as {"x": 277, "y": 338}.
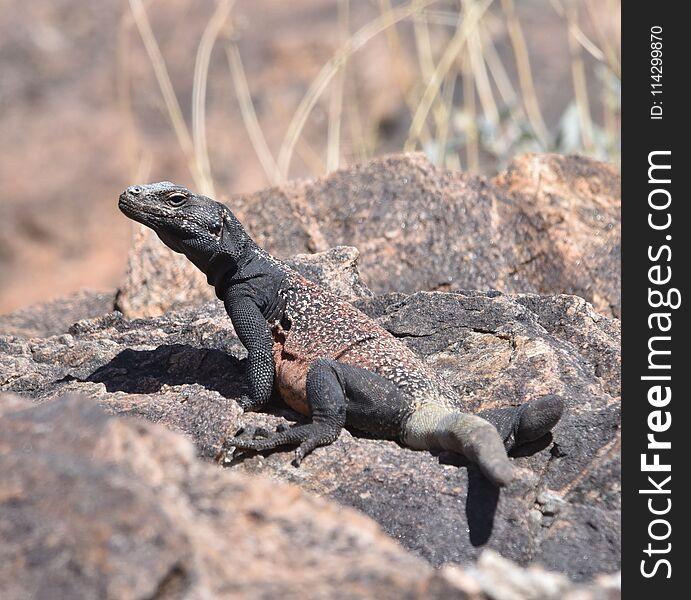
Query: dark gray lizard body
{"x": 327, "y": 359}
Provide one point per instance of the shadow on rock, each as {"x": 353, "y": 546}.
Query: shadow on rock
{"x": 532, "y": 447}
{"x": 146, "y": 371}
{"x": 481, "y": 501}
{"x": 480, "y": 507}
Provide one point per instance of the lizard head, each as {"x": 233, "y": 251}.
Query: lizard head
{"x": 198, "y": 227}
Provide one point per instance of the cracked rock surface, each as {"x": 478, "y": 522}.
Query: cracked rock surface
{"x": 549, "y": 224}
{"x": 185, "y": 369}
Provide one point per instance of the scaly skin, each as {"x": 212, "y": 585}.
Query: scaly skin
{"x": 327, "y": 359}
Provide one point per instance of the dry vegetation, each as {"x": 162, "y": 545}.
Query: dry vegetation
{"x": 230, "y": 97}
{"x": 466, "y": 106}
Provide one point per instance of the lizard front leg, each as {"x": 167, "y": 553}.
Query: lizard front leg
{"x": 253, "y": 331}
{"x": 326, "y": 397}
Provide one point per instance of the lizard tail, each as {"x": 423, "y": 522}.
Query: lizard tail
{"x": 434, "y": 426}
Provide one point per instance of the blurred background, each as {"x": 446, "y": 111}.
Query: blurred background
{"x": 230, "y": 97}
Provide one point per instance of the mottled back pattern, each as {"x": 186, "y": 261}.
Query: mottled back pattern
{"x": 324, "y": 326}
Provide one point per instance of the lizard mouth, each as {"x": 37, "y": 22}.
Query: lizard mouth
{"x": 132, "y": 209}
{"x": 124, "y": 205}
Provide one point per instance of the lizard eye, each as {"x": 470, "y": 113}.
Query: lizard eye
{"x": 176, "y": 199}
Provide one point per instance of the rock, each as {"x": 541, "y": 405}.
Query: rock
{"x": 93, "y": 506}
{"x": 185, "y": 369}
{"x": 52, "y": 318}
{"x": 548, "y": 224}
{"x": 158, "y": 279}
{"x": 503, "y": 580}
{"x": 336, "y": 269}
{"x": 575, "y": 205}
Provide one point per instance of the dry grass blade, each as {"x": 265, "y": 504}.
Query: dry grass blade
{"x": 319, "y": 84}
{"x": 313, "y": 160}
{"x": 472, "y": 144}
{"x": 587, "y": 44}
{"x": 249, "y": 115}
{"x": 443, "y": 127}
{"x": 423, "y": 45}
{"x": 496, "y": 68}
{"x": 394, "y": 41}
{"x": 361, "y": 146}
{"x": 199, "y": 86}
{"x": 403, "y": 77}
{"x": 484, "y": 87}
{"x": 438, "y": 17}
{"x": 610, "y": 102}
{"x": 579, "y": 82}
{"x": 333, "y": 144}
{"x": 170, "y": 99}
{"x": 465, "y": 25}
{"x": 525, "y": 74}
{"x": 610, "y": 52}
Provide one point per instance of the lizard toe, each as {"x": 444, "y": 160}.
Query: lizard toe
{"x": 499, "y": 472}
{"x": 308, "y": 437}
{"x": 252, "y": 432}
{"x": 308, "y": 446}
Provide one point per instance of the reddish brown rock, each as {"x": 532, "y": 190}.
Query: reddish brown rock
{"x": 97, "y": 507}
{"x": 186, "y": 369}
{"x": 158, "y": 279}
{"x": 549, "y": 224}
{"x": 92, "y": 506}
{"x": 575, "y": 206}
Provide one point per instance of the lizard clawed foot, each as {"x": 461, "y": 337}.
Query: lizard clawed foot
{"x": 250, "y": 432}
{"x": 308, "y": 437}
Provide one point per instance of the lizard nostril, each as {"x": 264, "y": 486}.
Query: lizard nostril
{"x": 135, "y": 190}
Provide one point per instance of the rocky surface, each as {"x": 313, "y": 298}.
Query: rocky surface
{"x": 549, "y": 224}
{"x": 51, "y": 318}
{"x": 154, "y": 272}
{"x": 186, "y": 368}
{"x": 97, "y": 507}
{"x": 82, "y": 64}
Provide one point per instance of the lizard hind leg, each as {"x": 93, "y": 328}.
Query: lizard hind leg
{"x": 327, "y": 401}
{"x": 518, "y": 425}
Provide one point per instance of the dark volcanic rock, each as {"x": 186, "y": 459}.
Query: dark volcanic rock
{"x": 185, "y": 369}
{"x": 550, "y": 224}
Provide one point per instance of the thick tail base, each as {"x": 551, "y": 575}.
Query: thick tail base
{"x": 438, "y": 427}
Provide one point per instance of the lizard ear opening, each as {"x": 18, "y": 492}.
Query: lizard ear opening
{"x": 216, "y": 227}
{"x": 233, "y": 236}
